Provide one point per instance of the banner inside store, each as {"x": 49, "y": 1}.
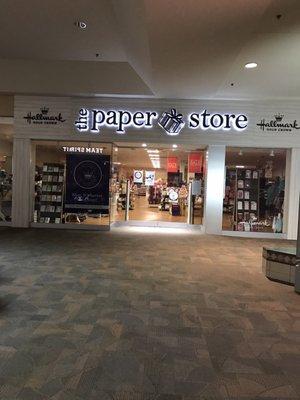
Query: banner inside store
{"x": 195, "y": 162}
{"x": 87, "y": 183}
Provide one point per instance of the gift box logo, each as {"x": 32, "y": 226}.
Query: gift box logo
{"x": 171, "y": 122}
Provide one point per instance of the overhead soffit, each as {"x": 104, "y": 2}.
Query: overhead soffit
{"x": 172, "y": 49}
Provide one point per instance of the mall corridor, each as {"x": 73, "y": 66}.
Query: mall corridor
{"x": 143, "y": 316}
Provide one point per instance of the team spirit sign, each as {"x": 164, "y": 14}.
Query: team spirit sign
{"x": 94, "y": 120}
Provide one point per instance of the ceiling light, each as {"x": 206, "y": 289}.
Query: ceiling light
{"x": 240, "y": 166}
{"x": 144, "y": 145}
{"x": 240, "y": 153}
{"x": 174, "y": 146}
{"x": 272, "y": 154}
{"x": 116, "y": 149}
{"x": 153, "y": 151}
{"x": 251, "y": 65}
{"x": 81, "y": 24}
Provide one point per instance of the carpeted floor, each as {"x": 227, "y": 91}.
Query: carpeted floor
{"x": 131, "y": 316}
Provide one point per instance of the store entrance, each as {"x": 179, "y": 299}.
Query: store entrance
{"x": 84, "y": 185}
{"x": 154, "y": 185}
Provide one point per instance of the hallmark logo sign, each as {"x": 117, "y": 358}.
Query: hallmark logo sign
{"x": 43, "y": 118}
{"x": 278, "y": 124}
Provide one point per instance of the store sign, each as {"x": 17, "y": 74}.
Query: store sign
{"x": 195, "y": 162}
{"x": 170, "y": 121}
{"x": 138, "y": 176}
{"x": 172, "y": 164}
{"x": 44, "y": 118}
{"x": 149, "y": 178}
{"x": 80, "y": 149}
{"x": 278, "y": 124}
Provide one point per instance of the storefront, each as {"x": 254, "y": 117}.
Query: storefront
{"x": 72, "y": 157}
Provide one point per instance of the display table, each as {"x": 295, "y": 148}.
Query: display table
{"x": 279, "y": 264}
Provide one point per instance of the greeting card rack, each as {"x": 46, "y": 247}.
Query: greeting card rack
{"x": 52, "y": 191}
{"x": 246, "y": 208}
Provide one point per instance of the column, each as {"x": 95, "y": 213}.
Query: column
{"x": 292, "y": 193}
{"x": 215, "y": 176}
{"x": 23, "y": 167}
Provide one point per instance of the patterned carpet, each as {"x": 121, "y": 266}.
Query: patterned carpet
{"x": 131, "y": 316}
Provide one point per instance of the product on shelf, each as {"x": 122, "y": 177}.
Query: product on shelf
{"x": 49, "y": 193}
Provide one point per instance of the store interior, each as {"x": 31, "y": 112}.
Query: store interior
{"x": 165, "y": 196}
{"x": 253, "y": 196}
{"x": 158, "y": 182}
{"x": 6, "y": 151}
{"x": 254, "y": 190}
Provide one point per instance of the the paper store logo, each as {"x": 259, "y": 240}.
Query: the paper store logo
{"x": 278, "y": 124}
{"x": 93, "y": 120}
{"x": 43, "y": 117}
{"x": 172, "y": 122}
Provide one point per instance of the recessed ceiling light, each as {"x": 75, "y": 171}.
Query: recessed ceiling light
{"x": 272, "y": 154}
{"x": 81, "y": 24}
{"x": 144, "y": 145}
{"x": 251, "y": 65}
{"x": 174, "y": 146}
{"x": 240, "y": 153}
{"x": 116, "y": 149}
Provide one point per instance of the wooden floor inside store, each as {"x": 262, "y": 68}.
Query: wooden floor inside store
{"x": 142, "y": 212}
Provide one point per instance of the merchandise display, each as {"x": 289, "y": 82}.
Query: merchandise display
{"x": 72, "y": 188}
{"x": 5, "y": 195}
{"x": 49, "y": 194}
{"x": 254, "y": 198}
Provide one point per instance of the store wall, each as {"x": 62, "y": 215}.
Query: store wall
{"x": 6, "y": 106}
{"x": 254, "y": 135}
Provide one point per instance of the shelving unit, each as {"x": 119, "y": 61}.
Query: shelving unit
{"x": 50, "y": 206}
{"x": 246, "y": 207}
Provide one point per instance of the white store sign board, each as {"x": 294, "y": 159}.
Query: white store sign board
{"x": 222, "y": 122}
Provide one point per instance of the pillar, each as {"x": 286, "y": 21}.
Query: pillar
{"x": 292, "y": 192}
{"x": 23, "y": 186}
{"x": 214, "y": 189}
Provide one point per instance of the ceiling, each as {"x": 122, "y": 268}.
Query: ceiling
{"x": 139, "y": 157}
{"x": 254, "y": 157}
{"x": 131, "y": 155}
{"x": 162, "y": 48}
